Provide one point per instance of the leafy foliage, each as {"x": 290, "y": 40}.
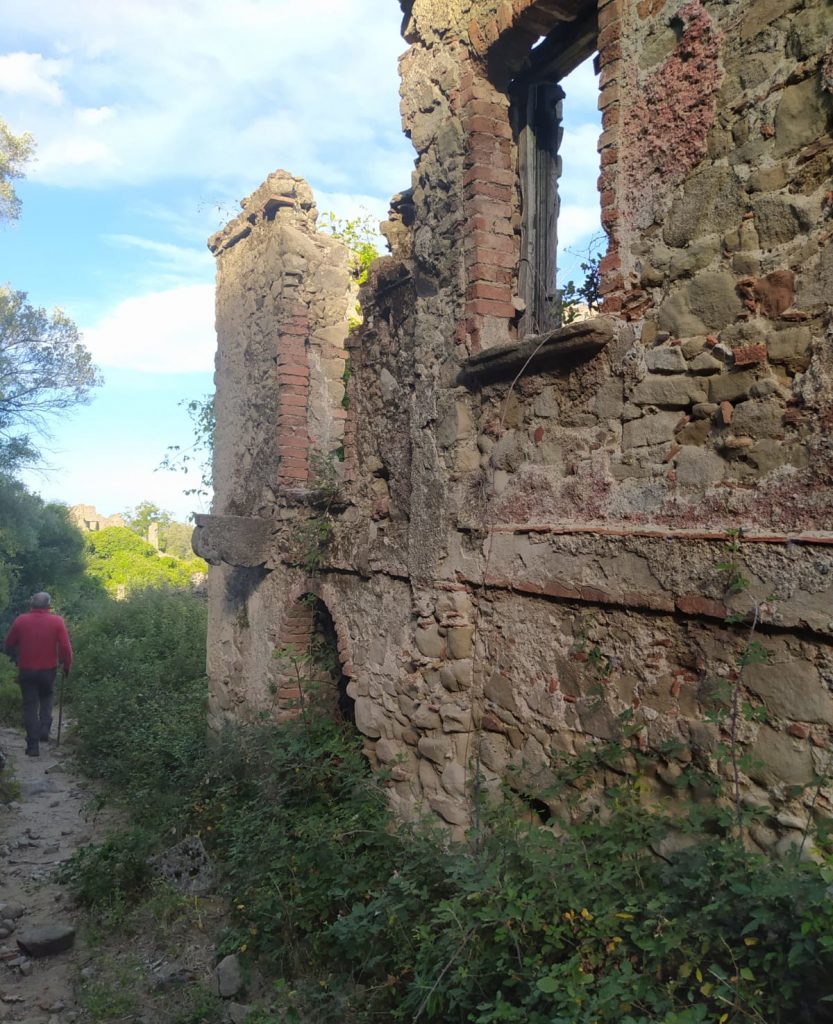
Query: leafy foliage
{"x": 44, "y": 370}
{"x": 176, "y": 541}
{"x": 174, "y": 538}
{"x": 584, "y": 298}
{"x": 140, "y": 518}
{"x": 11, "y": 707}
{"x": 197, "y": 458}
{"x": 118, "y": 558}
{"x": 360, "y": 234}
{"x": 139, "y": 696}
{"x": 40, "y": 549}
{"x": 111, "y": 872}
{"x": 15, "y": 151}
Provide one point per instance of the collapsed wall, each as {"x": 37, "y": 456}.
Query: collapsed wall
{"x": 527, "y": 554}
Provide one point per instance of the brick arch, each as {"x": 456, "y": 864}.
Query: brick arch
{"x": 296, "y": 631}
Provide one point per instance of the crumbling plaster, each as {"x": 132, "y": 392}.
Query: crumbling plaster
{"x": 507, "y": 504}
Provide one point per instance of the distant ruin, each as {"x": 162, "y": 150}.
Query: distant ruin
{"x": 86, "y": 518}
{"x": 516, "y": 528}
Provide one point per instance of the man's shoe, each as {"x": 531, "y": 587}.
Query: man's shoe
{"x": 32, "y": 749}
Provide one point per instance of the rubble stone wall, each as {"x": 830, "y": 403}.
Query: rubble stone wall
{"x": 523, "y": 558}
{"x": 283, "y": 300}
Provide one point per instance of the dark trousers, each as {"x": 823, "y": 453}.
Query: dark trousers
{"x": 38, "y": 689}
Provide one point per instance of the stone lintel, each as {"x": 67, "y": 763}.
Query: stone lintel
{"x": 567, "y": 344}
{"x": 233, "y": 540}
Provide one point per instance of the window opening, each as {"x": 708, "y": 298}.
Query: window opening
{"x": 537, "y": 114}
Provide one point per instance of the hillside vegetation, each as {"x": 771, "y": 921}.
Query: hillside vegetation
{"x": 347, "y": 915}
{"x": 123, "y": 562}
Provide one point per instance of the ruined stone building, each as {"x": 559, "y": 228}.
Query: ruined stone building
{"x": 86, "y": 518}
{"x": 517, "y": 531}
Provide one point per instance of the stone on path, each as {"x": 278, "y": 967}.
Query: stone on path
{"x": 238, "y": 1012}
{"x": 38, "y": 787}
{"x": 47, "y": 940}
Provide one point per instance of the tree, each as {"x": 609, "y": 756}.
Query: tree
{"x": 40, "y": 549}
{"x": 140, "y": 518}
{"x": 361, "y": 236}
{"x": 177, "y": 541}
{"x": 197, "y": 457}
{"x": 44, "y": 369}
{"x": 15, "y": 151}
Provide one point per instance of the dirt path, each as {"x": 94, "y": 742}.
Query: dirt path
{"x": 50, "y": 819}
{"x": 157, "y": 968}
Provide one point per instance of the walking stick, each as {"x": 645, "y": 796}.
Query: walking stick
{"x": 60, "y": 707}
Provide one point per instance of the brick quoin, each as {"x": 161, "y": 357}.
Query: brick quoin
{"x": 495, "y": 175}
{"x": 486, "y": 290}
{"x": 292, "y": 439}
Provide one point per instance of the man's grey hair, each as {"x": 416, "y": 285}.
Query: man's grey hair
{"x": 41, "y": 600}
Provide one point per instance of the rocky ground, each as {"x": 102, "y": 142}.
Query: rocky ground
{"x": 155, "y": 964}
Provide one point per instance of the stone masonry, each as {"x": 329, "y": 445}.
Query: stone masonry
{"x": 516, "y": 527}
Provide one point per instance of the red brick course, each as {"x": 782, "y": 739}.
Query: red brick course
{"x": 293, "y": 395}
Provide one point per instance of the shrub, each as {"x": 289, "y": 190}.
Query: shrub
{"x": 361, "y": 918}
{"x": 139, "y": 695}
{"x": 105, "y": 875}
{"x": 11, "y": 707}
{"x": 116, "y": 558}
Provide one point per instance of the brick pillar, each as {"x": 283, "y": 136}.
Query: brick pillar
{"x": 489, "y": 202}
{"x": 293, "y": 399}
{"x": 610, "y": 63}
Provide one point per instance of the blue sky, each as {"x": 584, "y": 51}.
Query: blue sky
{"x": 152, "y": 119}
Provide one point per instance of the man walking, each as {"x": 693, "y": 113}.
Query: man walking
{"x": 38, "y": 641}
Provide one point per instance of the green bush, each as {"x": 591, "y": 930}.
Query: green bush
{"x": 116, "y": 557}
{"x": 362, "y": 919}
{"x": 106, "y": 875}
{"x": 139, "y": 694}
{"x": 593, "y": 927}
{"x": 11, "y": 708}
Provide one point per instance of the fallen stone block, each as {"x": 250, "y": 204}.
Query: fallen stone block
{"x": 47, "y": 940}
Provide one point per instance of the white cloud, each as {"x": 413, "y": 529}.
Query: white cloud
{"x": 170, "y": 259}
{"x": 577, "y": 224}
{"x": 580, "y": 157}
{"x": 161, "y": 332}
{"x": 208, "y": 89}
{"x": 33, "y": 76}
{"x": 74, "y": 153}
{"x": 90, "y": 117}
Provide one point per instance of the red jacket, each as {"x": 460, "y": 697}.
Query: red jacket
{"x": 41, "y": 640}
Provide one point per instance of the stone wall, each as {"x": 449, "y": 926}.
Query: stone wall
{"x": 522, "y": 560}
{"x": 85, "y": 517}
